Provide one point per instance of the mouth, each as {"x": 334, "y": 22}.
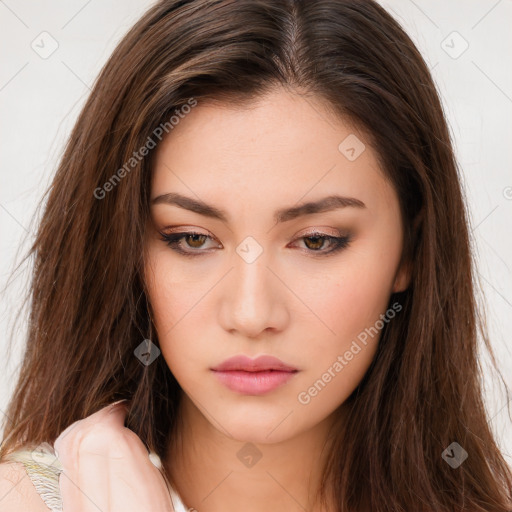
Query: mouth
{"x": 253, "y": 377}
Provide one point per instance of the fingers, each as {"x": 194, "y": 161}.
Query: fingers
{"x": 66, "y": 444}
{"x": 106, "y": 466}
{"x": 83, "y": 449}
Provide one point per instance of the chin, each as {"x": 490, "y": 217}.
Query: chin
{"x": 257, "y": 427}
{"x": 259, "y": 434}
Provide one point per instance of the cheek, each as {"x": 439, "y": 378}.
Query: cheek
{"x": 174, "y": 291}
{"x": 348, "y": 306}
{"x": 348, "y": 302}
{"x": 177, "y": 309}
{"x": 180, "y": 308}
{"x": 340, "y": 356}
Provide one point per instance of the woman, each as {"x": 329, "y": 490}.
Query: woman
{"x": 257, "y": 237}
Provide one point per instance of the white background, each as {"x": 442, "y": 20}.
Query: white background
{"x": 41, "y": 98}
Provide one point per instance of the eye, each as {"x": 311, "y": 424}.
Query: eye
{"x": 316, "y": 241}
{"x": 190, "y": 243}
{"x": 192, "y": 239}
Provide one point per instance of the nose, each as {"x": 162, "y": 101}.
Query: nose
{"x": 254, "y": 299}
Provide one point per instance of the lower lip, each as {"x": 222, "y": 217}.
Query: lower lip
{"x": 253, "y": 383}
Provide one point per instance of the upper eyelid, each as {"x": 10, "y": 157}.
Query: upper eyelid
{"x": 311, "y": 232}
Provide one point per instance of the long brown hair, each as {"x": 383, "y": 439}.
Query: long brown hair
{"x": 89, "y": 308}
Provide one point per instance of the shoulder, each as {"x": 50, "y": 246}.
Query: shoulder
{"x": 17, "y": 492}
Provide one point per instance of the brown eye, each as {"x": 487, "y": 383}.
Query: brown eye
{"x": 316, "y": 244}
{"x": 187, "y": 243}
{"x": 195, "y": 240}
{"x": 322, "y": 244}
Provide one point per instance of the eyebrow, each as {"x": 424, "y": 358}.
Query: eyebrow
{"x": 325, "y": 204}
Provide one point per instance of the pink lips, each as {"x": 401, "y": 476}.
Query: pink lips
{"x": 253, "y": 376}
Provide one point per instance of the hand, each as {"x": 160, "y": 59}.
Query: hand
{"x": 107, "y": 467}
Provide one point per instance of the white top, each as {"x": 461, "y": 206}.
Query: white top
{"x": 43, "y": 467}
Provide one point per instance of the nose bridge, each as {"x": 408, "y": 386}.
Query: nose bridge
{"x": 252, "y": 300}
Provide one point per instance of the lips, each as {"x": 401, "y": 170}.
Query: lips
{"x": 258, "y": 376}
{"x": 260, "y": 364}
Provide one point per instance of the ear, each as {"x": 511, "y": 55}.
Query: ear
{"x": 402, "y": 277}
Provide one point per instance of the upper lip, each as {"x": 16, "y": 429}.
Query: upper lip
{"x": 259, "y": 364}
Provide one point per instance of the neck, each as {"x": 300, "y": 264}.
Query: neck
{"x": 212, "y": 472}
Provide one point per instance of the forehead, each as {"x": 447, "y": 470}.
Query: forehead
{"x": 282, "y": 148}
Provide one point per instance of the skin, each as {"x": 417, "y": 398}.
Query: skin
{"x": 291, "y": 302}
{"x": 101, "y": 460}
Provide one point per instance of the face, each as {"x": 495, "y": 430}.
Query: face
{"x": 310, "y": 287}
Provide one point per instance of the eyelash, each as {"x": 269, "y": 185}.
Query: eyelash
{"x": 173, "y": 241}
